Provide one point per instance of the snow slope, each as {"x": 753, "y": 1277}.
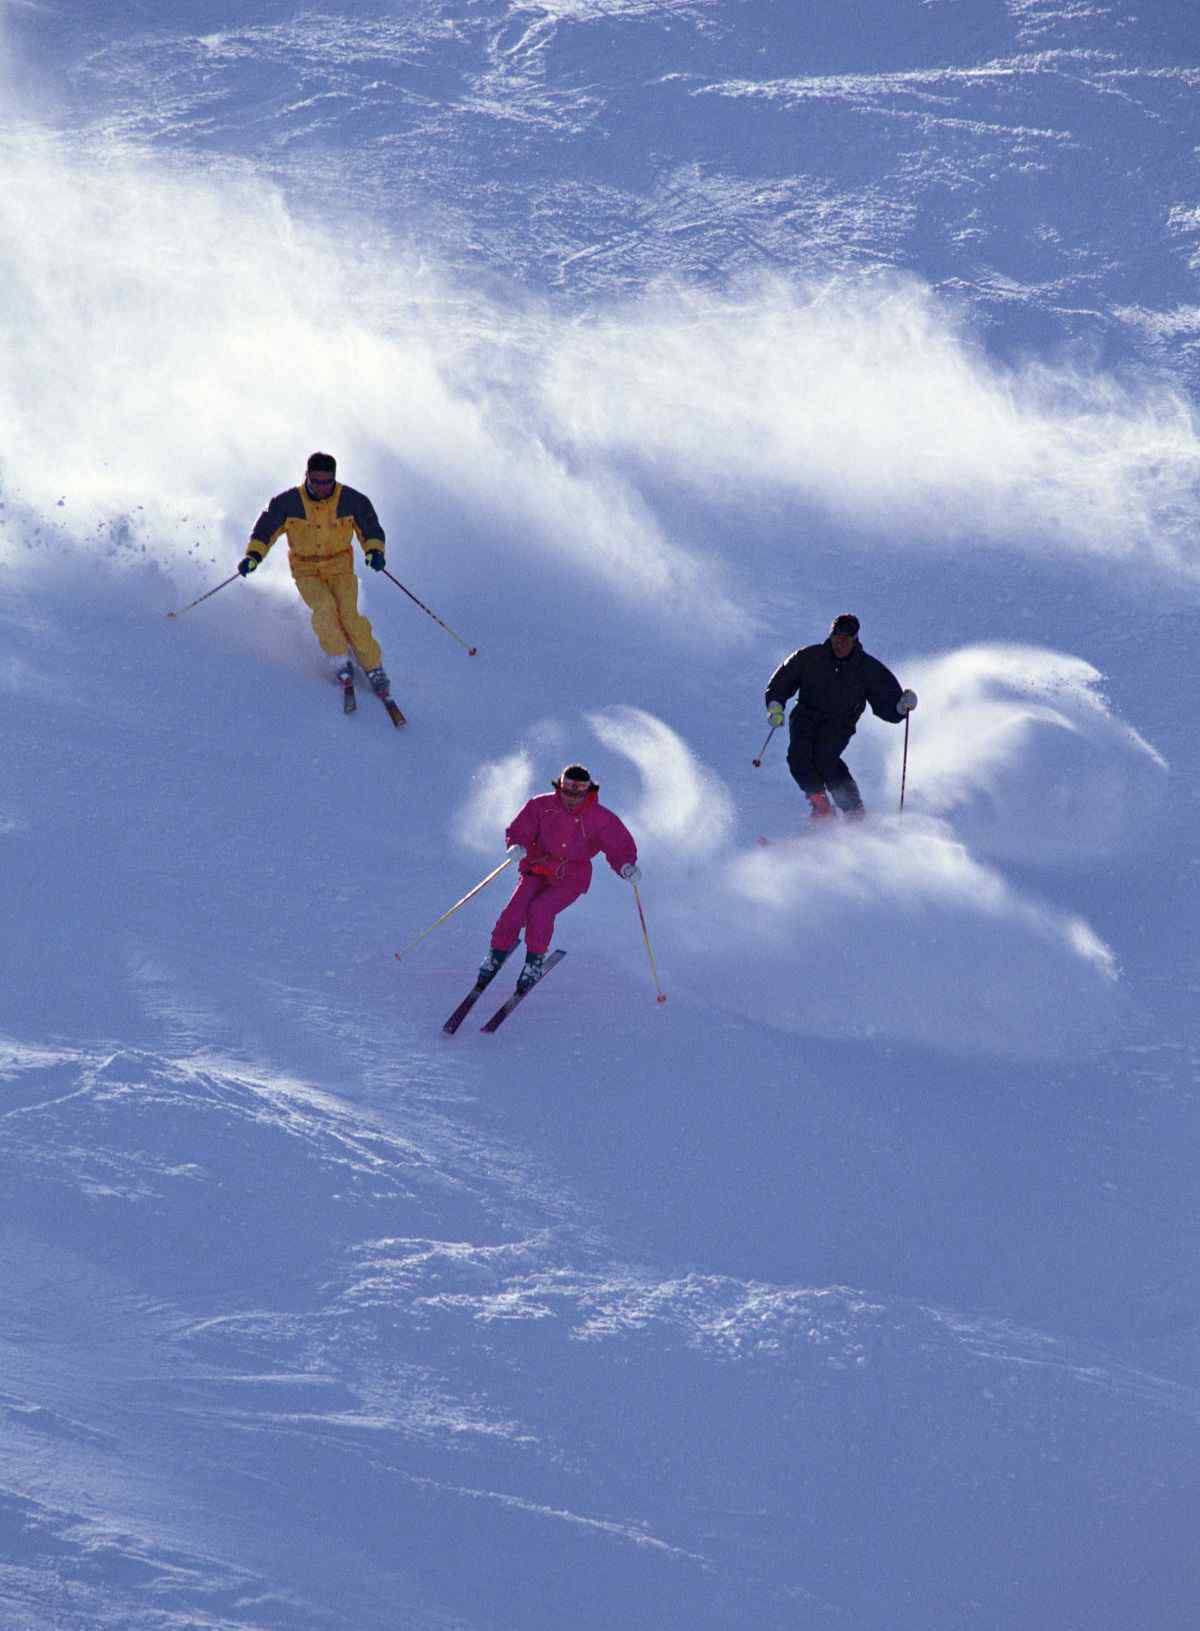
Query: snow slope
{"x": 855, "y": 1286}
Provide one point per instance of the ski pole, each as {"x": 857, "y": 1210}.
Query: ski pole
{"x": 199, "y": 598}
{"x": 662, "y": 995}
{"x": 904, "y": 763}
{"x": 757, "y": 763}
{"x": 508, "y": 860}
{"x": 470, "y": 649}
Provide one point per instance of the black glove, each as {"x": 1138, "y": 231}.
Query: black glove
{"x": 375, "y": 560}
{"x": 249, "y": 563}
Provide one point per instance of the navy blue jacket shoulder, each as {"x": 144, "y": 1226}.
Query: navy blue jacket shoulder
{"x": 835, "y": 690}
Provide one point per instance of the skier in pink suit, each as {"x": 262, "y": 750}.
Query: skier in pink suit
{"x": 555, "y": 837}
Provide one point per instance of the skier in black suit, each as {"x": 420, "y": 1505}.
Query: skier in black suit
{"x": 832, "y": 682}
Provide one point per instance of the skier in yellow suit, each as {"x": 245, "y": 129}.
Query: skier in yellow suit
{"x": 321, "y": 519}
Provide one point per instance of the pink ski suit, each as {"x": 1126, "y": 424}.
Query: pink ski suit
{"x": 558, "y": 867}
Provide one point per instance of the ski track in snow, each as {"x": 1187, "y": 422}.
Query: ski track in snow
{"x": 415, "y": 98}
{"x": 341, "y": 1369}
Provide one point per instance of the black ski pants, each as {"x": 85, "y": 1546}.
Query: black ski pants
{"x": 815, "y": 760}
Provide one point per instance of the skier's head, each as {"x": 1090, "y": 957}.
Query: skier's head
{"x": 575, "y": 783}
{"x": 843, "y": 634}
{"x": 321, "y": 473}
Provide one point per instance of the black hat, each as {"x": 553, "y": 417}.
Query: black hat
{"x": 847, "y": 623}
{"x": 322, "y": 461}
{"x": 575, "y": 773}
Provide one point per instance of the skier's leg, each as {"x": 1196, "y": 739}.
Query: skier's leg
{"x": 843, "y": 789}
{"x": 539, "y": 922}
{"x": 326, "y": 621}
{"x": 344, "y": 588}
{"x": 805, "y": 766}
{"x": 801, "y": 757}
{"x": 512, "y": 919}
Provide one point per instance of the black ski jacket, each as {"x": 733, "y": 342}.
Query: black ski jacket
{"x": 834, "y": 692}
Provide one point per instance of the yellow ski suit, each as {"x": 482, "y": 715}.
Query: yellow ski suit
{"x": 320, "y": 534}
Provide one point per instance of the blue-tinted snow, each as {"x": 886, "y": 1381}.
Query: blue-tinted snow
{"x": 854, "y": 1288}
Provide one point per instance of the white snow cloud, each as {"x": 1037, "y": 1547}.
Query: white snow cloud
{"x": 498, "y": 790}
{"x": 890, "y": 929}
{"x": 868, "y": 398}
{"x": 175, "y": 343}
{"x": 895, "y": 930}
{"x": 1018, "y": 747}
{"x": 680, "y": 811}
{"x": 684, "y": 809}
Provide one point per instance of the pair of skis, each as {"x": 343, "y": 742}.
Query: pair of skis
{"x": 350, "y": 703}
{"x": 505, "y": 1008}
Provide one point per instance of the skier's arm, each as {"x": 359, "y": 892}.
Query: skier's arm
{"x": 784, "y": 682}
{"x": 617, "y": 843}
{"x": 523, "y": 828}
{"x": 883, "y": 693}
{"x": 284, "y": 507}
{"x": 366, "y": 523}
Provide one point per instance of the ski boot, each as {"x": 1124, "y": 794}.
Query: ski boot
{"x": 491, "y": 965}
{"x": 821, "y": 810}
{"x": 343, "y": 673}
{"x": 379, "y": 682}
{"x": 532, "y": 972}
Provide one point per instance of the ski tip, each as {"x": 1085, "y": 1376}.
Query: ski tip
{"x": 472, "y": 651}
{"x": 662, "y": 997}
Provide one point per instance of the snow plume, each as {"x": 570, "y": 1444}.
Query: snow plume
{"x": 175, "y": 342}
{"x": 498, "y": 790}
{"x": 868, "y": 398}
{"x": 890, "y": 929}
{"x": 1018, "y": 747}
{"x": 683, "y": 810}
{"x": 683, "y": 807}
{"x": 895, "y": 931}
